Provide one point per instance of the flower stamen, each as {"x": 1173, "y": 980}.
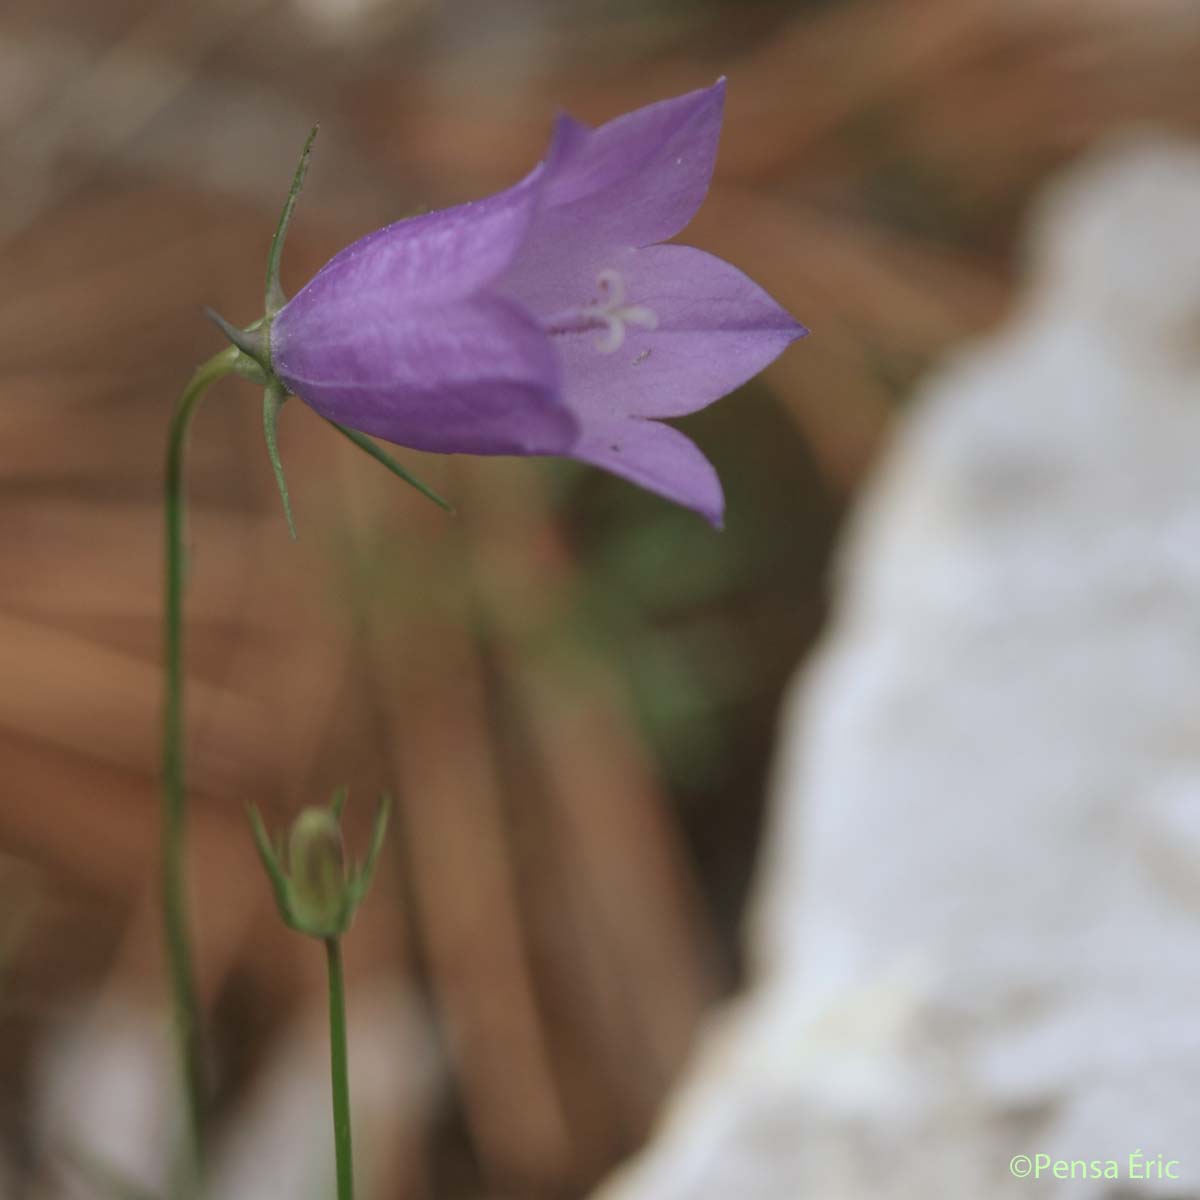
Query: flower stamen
{"x": 609, "y": 313}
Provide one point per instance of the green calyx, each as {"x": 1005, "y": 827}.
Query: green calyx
{"x": 316, "y": 892}
{"x": 255, "y": 341}
{"x": 254, "y": 361}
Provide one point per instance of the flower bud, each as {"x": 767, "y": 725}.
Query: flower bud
{"x": 317, "y": 860}
{"x": 319, "y": 892}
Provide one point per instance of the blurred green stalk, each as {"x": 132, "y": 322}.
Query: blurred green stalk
{"x": 339, "y": 1070}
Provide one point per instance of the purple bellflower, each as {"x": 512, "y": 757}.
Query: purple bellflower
{"x": 549, "y": 319}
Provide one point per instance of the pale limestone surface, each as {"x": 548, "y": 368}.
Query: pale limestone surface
{"x": 105, "y": 1102}
{"x": 977, "y": 922}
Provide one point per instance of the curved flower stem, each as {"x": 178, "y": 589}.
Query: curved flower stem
{"x": 174, "y": 811}
{"x": 339, "y": 1072}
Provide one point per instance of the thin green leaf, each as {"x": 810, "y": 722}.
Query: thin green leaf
{"x": 273, "y": 398}
{"x": 382, "y": 456}
{"x": 274, "y": 294}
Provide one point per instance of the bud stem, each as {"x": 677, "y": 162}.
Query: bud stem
{"x": 174, "y": 799}
{"x": 339, "y": 1070}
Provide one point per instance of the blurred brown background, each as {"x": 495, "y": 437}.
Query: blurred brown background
{"x": 570, "y": 687}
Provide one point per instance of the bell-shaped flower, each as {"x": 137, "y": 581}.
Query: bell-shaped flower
{"x": 548, "y": 319}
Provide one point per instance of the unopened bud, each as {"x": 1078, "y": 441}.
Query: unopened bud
{"x": 318, "y": 892}
{"x": 317, "y": 863}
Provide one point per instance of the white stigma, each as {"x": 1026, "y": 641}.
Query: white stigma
{"x": 615, "y": 313}
{"x": 609, "y": 312}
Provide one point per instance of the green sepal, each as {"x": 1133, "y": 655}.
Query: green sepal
{"x": 254, "y": 361}
{"x": 361, "y": 876}
{"x": 273, "y": 398}
{"x": 380, "y": 455}
{"x": 275, "y": 298}
{"x": 280, "y": 883}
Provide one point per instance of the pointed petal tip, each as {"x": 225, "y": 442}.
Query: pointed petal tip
{"x": 783, "y": 323}
{"x": 657, "y": 457}
{"x": 711, "y": 507}
{"x": 566, "y": 138}
{"x": 705, "y": 99}
{"x": 569, "y": 133}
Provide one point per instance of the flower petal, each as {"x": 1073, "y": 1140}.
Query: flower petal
{"x": 714, "y": 329}
{"x": 477, "y": 377}
{"x": 639, "y": 178}
{"x": 657, "y": 458}
{"x": 422, "y": 261}
{"x": 635, "y": 181}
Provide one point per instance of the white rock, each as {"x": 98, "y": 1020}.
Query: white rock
{"x": 280, "y": 1141}
{"x": 103, "y": 1099}
{"x": 977, "y": 926}
{"x": 106, "y": 1102}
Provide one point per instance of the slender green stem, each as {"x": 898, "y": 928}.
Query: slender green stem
{"x": 339, "y": 1071}
{"x": 174, "y": 814}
